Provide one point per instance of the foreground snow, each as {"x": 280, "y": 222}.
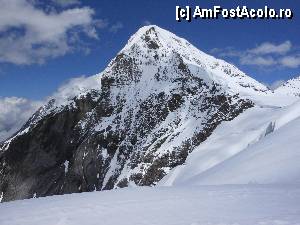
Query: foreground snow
{"x": 203, "y": 205}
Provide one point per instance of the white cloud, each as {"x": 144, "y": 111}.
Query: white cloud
{"x": 264, "y": 55}
{"x": 116, "y": 27}
{"x": 75, "y": 87}
{"x": 14, "y": 112}
{"x": 276, "y": 84}
{"x": 30, "y": 35}
{"x": 267, "y": 48}
{"x": 257, "y": 60}
{"x": 146, "y": 23}
{"x": 290, "y": 61}
{"x": 66, "y": 3}
{"x": 100, "y": 23}
{"x": 226, "y": 52}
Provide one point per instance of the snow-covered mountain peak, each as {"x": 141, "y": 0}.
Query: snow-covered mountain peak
{"x": 158, "y": 100}
{"x": 155, "y": 37}
{"x": 290, "y": 87}
{"x": 154, "y": 45}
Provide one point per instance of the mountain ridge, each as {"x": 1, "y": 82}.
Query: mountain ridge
{"x": 290, "y": 87}
{"x": 156, "y": 101}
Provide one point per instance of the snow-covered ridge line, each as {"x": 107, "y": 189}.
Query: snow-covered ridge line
{"x": 290, "y": 87}
{"x": 232, "y": 139}
{"x": 75, "y": 88}
{"x": 219, "y": 71}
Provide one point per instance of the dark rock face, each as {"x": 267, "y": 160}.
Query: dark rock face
{"x": 132, "y": 131}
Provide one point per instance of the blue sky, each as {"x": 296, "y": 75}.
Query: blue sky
{"x": 86, "y": 35}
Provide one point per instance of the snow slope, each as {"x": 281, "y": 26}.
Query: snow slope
{"x": 205, "y": 205}
{"x": 291, "y": 87}
{"x": 275, "y": 159}
{"x": 245, "y": 150}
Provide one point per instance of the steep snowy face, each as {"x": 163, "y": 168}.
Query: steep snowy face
{"x": 291, "y": 87}
{"x": 157, "y": 100}
{"x": 166, "y": 47}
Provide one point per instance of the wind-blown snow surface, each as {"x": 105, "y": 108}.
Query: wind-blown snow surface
{"x": 260, "y": 146}
{"x": 206, "y": 205}
{"x": 275, "y": 159}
